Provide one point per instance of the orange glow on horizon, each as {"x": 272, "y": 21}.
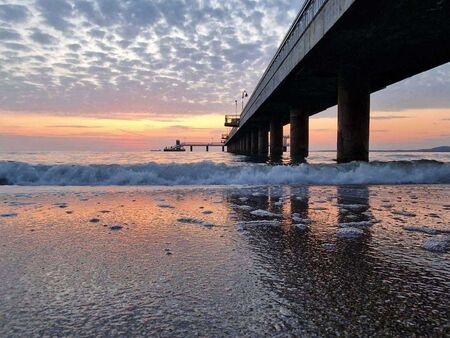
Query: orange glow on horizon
{"x": 387, "y": 128}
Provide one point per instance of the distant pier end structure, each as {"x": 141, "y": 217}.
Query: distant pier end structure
{"x": 206, "y": 145}
{"x": 339, "y": 52}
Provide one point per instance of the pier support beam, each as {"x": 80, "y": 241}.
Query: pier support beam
{"x": 192, "y": 148}
{"x": 299, "y": 143}
{"x": 207, "y": 148}
{"x": 276, "y": 139}
{"x": 353, "y": 117}
{"x": 263, "y": 141}
{"x": 254, "y": 142}
{"x": 248, "y": 143}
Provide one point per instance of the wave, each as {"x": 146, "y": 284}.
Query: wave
{"x": 209, "y": 173}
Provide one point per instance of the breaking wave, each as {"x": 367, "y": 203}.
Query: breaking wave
{"x": 209, "y": 173}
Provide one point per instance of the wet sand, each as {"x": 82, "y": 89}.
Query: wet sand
{"x": 221, "y": 261}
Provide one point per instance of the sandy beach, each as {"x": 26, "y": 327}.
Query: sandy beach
{"x": 221, "y": 261}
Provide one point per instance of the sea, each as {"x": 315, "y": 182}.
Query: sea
{"x": 214, "y": 168}
{"x": 211, "y": 244}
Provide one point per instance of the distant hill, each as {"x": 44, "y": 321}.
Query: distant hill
{"x": 441, "y": 149}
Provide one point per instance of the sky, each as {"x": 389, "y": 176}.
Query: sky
{"x": 138, "y": 74}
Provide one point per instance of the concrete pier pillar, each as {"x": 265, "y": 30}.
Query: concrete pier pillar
{"x": 223, "y": 148}
{"x": 263, "y": 141}
{"x": 276, "y": 139}
{"x": 192, "y": 148}
{"x": 207, "y": 148}
{"x": 254, "y": 142}
{"x": 299, "y": 142}
{"x": 248, "y": 143}
{"x": 353, "y": 117}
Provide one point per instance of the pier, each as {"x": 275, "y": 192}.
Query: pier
{"x": 206, "y": 145}
{"x": 338, "y": 52}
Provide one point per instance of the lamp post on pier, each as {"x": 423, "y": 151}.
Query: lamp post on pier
{"x": 244, "y": 95}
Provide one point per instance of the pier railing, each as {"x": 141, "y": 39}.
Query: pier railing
{"x": 232, "y": 121}
{"x": 306, "y": 15}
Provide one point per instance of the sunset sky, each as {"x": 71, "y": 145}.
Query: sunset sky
{"x": 137, "y": 74}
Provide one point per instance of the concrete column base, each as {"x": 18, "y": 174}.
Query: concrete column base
{"x": 299, "y": 142}
{"x": 254, "y": 142}
{"x": 263, "y": 141}
{"x": 276, "y": 139}
{"x": 248, "y": 143}
{"x": 353, "y": 117}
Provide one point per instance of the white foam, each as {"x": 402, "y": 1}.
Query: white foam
{"x": 9, "y": 214}
{"x": 329, "y": 246}
{"x": 264, "y": 213}
{"x": 209, "y": 173}
{"x": 403, "y": 213}
{"x": 189, "y": 220}
{"x": 426, "y": 230}
{"x": 353, "y": 207}
{"x": 438, "y": 244}
{"x": 297, "y": 219}
{"x": 166, "y": 206}
{"x": 241, "y": 207}
{"x": 300, "y": 226}
{"x": 349, "y": 233}
{"x": 256, "y": 223}
{"x": 355, "y": 224}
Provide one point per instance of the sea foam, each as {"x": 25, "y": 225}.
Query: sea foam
{"x": 209, "y": 173}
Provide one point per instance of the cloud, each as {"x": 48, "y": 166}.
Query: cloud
{"x": 56, "y": 13}
{"x": 73, "y": 126}
{"x": 16, "y": 46}
{"x": 389, "y": 117}
{"x": 8, "y": 35}
{"x": 128, "y": 58}
{"x": 425, "y": 90}
{"x": 13, "y": 13}
{"x": 42, "y": 38}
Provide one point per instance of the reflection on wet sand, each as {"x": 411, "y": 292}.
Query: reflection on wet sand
{"x": 239, "y": 261}
{"x": 328, "y": 285}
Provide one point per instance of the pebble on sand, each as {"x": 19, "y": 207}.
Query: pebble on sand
{"x": 116, "y": 227}
{"x": 94, "y": 220}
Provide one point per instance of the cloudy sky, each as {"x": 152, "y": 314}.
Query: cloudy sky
{"x": 135, "y": 74}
